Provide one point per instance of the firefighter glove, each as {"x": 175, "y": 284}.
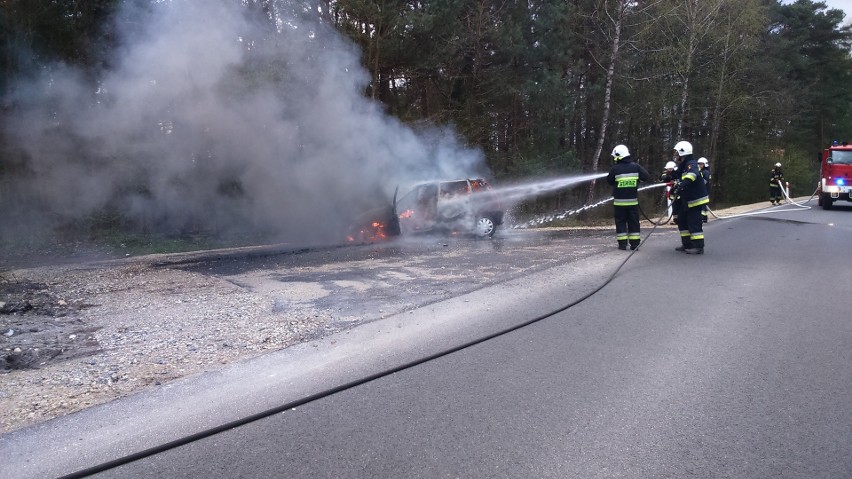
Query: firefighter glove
{"x": 676, "y": 191}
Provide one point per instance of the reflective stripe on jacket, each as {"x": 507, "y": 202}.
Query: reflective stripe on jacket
{"x": 624, "y": 177}
{"x": 692, "y": 192}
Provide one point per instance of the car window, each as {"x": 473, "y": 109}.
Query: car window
{"x": 420, "y": 201}
{"x": 407, "y": 201}
{"x": 450, "y": 189}
{"x": 479, "y": 185}
{"x": 427, "y": 193}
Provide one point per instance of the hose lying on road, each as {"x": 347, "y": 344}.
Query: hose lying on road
{"x": 799, "y": 207}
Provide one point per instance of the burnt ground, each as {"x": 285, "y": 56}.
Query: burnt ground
{"x": 38, "y": 328}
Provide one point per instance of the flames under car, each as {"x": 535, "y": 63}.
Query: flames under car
{"x": 467, "y": 206}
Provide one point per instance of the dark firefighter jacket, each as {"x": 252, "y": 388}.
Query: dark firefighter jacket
{"x": 624, "y": 177}
{"x": 705, "y": 173}
{"x": 776, "y": 176}
{"x": 692, "y": 189}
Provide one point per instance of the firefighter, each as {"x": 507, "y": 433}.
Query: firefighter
{"x": 691, "y": 192}
{"x": 776, "y": 180}
{"x": 668, "y": 175}
{"x": 704, "y": 168}
{"x": 624, "y": 177}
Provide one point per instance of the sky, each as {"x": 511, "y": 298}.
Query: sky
{"x": 845, "y": 5}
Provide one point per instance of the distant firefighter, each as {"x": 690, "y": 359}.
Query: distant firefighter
{"x": 704, "y": 167}
{"x": 776, "y": 180}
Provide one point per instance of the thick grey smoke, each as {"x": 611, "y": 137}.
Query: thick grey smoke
{"x": 208, "y": 120}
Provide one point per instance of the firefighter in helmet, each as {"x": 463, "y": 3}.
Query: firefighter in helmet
{"x": 776, "y": 180}
{"x": 624, "y": 177}
{"x": 668, "y": 175}
{"x": 691, "y": 192}
{"x": 704, "y": 168}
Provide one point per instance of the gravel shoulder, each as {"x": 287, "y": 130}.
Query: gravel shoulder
{"x": 76, "y": 335}
{"x": 73, "y": 338}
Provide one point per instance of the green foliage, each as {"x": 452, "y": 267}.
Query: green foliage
{"x": 812, "y": 46}
{"x": 71, "y": 30}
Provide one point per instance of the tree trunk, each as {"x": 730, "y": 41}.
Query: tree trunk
{"x": 717, "y": 108}
{"x": 610, "y": 74}
{"x": 376, "y": 77}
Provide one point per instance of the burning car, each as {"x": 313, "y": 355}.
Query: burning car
{"x": 378, "y": 224}
{"x": 455, "y": 206}
{"x": 463, "y": 206}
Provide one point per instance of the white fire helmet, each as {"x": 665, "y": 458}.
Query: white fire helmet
{"x": 619, "y": 152}
{"x": 671, "y": 165}
{"x": 703, "y": 161}
{"x": 777, "y": 165}
{"x": 683, "y": 148}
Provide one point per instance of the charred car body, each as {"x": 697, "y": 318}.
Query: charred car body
{"x": 463, "y": 206}
{"x": 467, "y": 206}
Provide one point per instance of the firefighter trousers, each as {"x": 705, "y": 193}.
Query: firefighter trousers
{"x": 627, "y": 225}
{"x": 691, "y": 227}
{"x": 775, "y": 192}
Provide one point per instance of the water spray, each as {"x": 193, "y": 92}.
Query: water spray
{"x": 535, "y": 222}
{"x": 528, "y": 190}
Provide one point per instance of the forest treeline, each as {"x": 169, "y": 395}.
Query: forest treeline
{"x": 547, "y": 87}
{"x": 550, "y": 86}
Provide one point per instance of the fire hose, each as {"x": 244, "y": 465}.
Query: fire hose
{"x": 799, "y": 206}
{"x": 667, "y": 216}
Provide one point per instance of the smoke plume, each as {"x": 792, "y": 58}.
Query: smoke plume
{"x": 208, "y": 119}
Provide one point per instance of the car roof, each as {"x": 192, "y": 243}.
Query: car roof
{"x": 430, "y": 182}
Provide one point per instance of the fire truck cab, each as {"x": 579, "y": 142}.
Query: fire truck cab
{"x": 835, "y": 174}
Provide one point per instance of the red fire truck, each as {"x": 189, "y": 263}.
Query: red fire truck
{"x": 836, "y": 174}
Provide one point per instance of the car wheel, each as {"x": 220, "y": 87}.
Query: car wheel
{"x": 484, "y": 227}
{"x": 826, "y": 202}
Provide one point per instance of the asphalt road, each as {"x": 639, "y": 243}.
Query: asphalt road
{"x": 731, "y": 364}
